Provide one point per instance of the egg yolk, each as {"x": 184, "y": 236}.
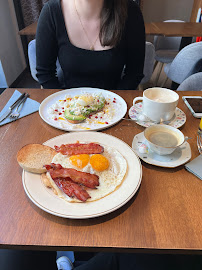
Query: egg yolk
{"x": 79, "y": 161}
{"x": 99, "y": 162}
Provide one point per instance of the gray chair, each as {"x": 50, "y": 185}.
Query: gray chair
{"x": 32, "y": 63}
{"x": 32, "y": 58}
{"x": 187, "y": 62}
{"x": 148, "y": 63}
{"x": 192, "y": 83}
{"x": 166, "y": 48}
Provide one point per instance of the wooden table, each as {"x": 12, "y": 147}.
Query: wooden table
{"x": 29, "y": 30}
{"x": 165, "y": 215}
{"x": 174, "y": 29}
{"x": 187, "y": 29}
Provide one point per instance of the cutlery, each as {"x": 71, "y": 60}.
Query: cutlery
{"x": 155, "y": 122}
{"x": 128, "y": 119}
{"x": 20, "y": 105}
{"x": 146, "y": 121}
{"x": 8, "y": 112}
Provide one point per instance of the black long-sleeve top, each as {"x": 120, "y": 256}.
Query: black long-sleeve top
{"x": 86, "y": 68}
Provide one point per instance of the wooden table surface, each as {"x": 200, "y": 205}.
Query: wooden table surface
{"x": 187, "y": 29}
{"x": 184, "y": 29}
{"x": 29, "y": 30}
{"x": 165, "y": 215}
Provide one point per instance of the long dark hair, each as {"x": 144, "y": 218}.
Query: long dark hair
{"x": 113, "y": 17}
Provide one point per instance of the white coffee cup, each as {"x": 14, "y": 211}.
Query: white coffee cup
{"x": 159, "y": 104}
{"x": 163, "y": 139}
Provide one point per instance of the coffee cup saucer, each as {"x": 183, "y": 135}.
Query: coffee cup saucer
{"x": 179, "y": 157}
{"x": 136, "y": 112}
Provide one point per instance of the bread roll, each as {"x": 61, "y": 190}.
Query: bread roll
{"x": 32, "y": 157}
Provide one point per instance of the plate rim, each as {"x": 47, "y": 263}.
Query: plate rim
{"x": 162, "y": 166}
{"x": 107, "y": 211}
{"x": 139, "y": 123}
{"x": 82, "y": 89}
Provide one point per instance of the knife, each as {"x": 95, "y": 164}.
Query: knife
{"x": 7, "y": 113}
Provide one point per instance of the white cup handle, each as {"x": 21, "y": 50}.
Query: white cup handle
{"x": 137, "y": 99}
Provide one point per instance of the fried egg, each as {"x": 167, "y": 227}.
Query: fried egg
{"x": 110, "y": 166}
{"x": 84, "y": 100}
{"x": 89, "y": 163}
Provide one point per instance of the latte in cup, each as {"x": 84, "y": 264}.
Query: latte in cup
{"x": 163, "y": 139}
{"x": 159, "y": 104}
{"x": 161, "y": 97}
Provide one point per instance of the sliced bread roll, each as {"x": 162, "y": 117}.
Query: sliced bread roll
{"x": 32, "y": 157}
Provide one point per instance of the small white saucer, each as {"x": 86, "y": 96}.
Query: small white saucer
{"x": 135, "y": 111}
{"x": 180, "y": 156}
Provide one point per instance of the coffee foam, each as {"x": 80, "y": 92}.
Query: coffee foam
{"x": 162, "y": 97}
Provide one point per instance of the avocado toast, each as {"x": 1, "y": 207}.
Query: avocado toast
{"x": 83, "y": 107}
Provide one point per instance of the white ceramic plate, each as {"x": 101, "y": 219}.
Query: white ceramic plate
{"x": 177, "y": 121}
{"x": 180, "y": 156}
{"x": 45, "y": 199}
{"x": 65, "y": 125}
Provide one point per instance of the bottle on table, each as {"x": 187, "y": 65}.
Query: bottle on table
{"x": 200, "y": 127}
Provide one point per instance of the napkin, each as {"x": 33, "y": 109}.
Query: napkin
{"x": 30, "y": 106}
{"x": 195, "y": 166}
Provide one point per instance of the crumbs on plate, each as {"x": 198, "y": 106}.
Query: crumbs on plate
{"x": 96, "y": 109}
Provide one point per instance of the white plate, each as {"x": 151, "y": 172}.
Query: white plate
{"x": 45, "y": 199}
{"x": 180, "y": 156}
{"x": 177, "y": 121}
{"x": 65, "y": 125}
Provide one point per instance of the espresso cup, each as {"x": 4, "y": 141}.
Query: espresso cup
{"x": 159, "y": 104}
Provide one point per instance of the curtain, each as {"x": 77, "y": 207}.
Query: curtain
{"x": 31, "y": 10}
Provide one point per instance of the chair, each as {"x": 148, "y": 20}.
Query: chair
{"x": 32, "y": 58}
{"x": 197, "y": 5}
{"x": 148, "y": 63}
{"x": 166, "y": 48}
{"x": 187, "y": 62}
{"x": 32, "y": 62}
{"x": 192, "y": 83}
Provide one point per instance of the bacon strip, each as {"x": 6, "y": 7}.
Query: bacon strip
{"x": 86, "y": 179}
{"x": 79, "y": 148}
{"x": 72, "y": 189}
{"x": 53, "y": 166}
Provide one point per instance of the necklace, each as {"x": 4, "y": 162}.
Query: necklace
{"x": 92, "y": 45}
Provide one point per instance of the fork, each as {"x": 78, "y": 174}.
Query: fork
{"x": 16, "y": 113}
{"x": 166, "y": 122}
{"x": 199, "y": 143}
{"x": 155, "y": 122}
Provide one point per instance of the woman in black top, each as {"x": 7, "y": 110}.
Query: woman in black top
{"x": 99, "y": 43}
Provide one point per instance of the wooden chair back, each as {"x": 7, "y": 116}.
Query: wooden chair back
{"x": 196, "y": 5}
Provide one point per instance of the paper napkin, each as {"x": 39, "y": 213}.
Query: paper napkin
{"x": 30, "y": 106}
{"x": 195, "y": 166}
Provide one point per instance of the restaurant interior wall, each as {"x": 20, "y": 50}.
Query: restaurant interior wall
{"x": 11, "y": 51}
{"x": 161, "y": 10}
